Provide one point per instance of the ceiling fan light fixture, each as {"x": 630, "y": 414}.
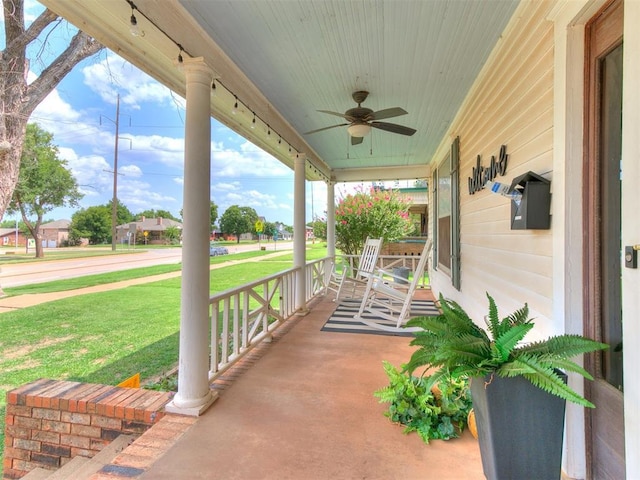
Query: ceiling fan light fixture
{"x": 359, "y": 129}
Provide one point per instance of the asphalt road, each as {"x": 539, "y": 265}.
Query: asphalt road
{"x": 36, "y": 272}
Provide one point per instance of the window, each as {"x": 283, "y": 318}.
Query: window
{"x": 446, "y": 225}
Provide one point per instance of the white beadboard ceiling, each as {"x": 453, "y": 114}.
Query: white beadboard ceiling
{"x": 286, "y": 59}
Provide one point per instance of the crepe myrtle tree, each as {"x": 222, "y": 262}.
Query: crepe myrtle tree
{"x": 375, "y": 213}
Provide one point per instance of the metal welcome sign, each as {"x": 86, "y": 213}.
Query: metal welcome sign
{"x": 481, "y": 175}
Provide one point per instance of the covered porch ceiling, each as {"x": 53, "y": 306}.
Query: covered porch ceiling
{"x": 283, "y": 60}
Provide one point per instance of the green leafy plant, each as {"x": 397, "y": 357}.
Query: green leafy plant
{"x": 452, "y": 343}
{"x": 376, "y": 213}
{"x": 434, "y": 413}
{"x": 168, "y": 383}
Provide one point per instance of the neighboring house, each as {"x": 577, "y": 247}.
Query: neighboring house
{"x": 55, "y": 234}
{"x": 146, "y": 230}
{"x": 8, "y": 237}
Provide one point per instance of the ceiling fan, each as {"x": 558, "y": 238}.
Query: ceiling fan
{"x": 361, "y": 119}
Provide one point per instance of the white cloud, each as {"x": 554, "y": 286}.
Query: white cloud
{"x": 139, "y": 195}
{"x": 92, "y": 172}
{"x": 130, "y": 171}
{"x": 114, "y": 75}
{"x": 226, "y": 187}
{"x": 179, "y": 180}
{"x": 248, "y": 161}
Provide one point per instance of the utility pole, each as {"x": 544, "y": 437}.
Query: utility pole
{"x": 114, "y": 203}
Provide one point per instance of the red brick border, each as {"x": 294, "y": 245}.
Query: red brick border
{"x": 48, "y": 422}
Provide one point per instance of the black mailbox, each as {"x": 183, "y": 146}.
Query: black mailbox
{"x": 531, "y": 210}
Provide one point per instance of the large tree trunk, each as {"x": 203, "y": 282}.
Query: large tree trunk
{"x": 18, "y": 99}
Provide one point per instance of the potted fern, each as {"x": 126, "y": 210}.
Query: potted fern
{"x": 518, "y": 389}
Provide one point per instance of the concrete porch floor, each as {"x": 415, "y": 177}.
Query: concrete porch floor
{"x": 305, "y": 410}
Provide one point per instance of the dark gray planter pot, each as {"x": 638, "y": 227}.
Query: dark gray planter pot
{"x": 520, "y": 429}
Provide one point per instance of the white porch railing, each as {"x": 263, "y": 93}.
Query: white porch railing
{"x": 243, "y": 317}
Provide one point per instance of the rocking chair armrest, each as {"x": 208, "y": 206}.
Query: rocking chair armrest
{"x": 381, "y": 273}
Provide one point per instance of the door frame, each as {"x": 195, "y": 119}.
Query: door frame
{"x": 608, "y": 25}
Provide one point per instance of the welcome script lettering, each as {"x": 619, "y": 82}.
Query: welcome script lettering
{"x": 481, "y": 175}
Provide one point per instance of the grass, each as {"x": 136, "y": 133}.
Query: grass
{"x": 107, "y": 337}
{"x": 101, "y": 279}
{"x": 61, "y": 254}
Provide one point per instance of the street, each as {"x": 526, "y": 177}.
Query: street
{"x": 37, "y": 272}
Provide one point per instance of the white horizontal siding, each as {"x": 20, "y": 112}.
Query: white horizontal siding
{"x": 512, "y": 105}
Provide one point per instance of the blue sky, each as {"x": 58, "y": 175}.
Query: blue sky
{"x": 80, "y": 114}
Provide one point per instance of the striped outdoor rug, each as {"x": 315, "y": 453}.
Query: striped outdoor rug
{"x": 342, "y": 319}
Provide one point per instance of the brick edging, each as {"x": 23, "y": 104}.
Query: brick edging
{"x": 48, "y": 422}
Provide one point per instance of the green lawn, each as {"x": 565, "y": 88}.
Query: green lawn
{"x": 107, "y": 337}
{"x": 100, "y": 279}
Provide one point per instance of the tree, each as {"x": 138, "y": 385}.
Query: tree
{"x": 270, "y": 229}
{"x": 238, "y": 220}
{"x": 44, "y": 183}
{"x": 213, "y": 213}
{"x": 123, "y": 214}
{"x": 93, "y": 223}
{"x": 319, "y": 226}
{"x": 377, "y": 213}
{"x": 151, "y": 213}
{"x": 172, "y": 234}
{"x": 18, "y": 98}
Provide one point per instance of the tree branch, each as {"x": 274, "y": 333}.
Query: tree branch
{"x": 21, "y": 41}
{"x": 81, "y": 46}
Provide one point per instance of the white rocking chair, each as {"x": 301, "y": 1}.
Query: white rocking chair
{"x": 350, "y": 284}
{"x": 391, "y": 301}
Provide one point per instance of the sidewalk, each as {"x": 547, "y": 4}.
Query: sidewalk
{"x": 8, "y": 304}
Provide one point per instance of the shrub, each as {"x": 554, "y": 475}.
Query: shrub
{"x": 378, "y": 213}
{"x": 437, "y": 413}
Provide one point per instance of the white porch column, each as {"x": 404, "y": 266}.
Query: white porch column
{"x": 299, "y": 232}
{"x": 194, "y": 395}
{"x": 331, "y": 219}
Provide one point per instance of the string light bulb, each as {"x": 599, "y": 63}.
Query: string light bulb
{"x": 133, "y": 24}
{"x": 213, "y": 88}
{"x": 180, "y": 60}
{"x": 253, "y": 123}
{"x": 234, "y": 110}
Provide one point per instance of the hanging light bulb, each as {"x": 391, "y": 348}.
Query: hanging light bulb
{"x": 133, "y": 24}
{"x": 180, "y": 60}
{"x": 253, "y": 123}
{"x": 234, "y": 110}
{"x": 213, "y": 88}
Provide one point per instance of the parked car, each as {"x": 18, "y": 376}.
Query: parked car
{"x": 215, "y": 251}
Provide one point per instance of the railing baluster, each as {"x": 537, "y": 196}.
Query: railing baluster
{"x": 253, "y": 327}
{"x": 236, "y": 323}
{"x": 224, "y": 357}
{"x": 245, "y": 321}
{"x": 215, "y": 338}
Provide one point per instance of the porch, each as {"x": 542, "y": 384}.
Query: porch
{"x": 302, "y": 406}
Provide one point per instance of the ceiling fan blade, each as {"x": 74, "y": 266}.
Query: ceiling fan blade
{"x": 388, "y": 113}
{"x": 336, "y": 114}
{"x": 356, "y": 140}
{"x": 325, "y": 128}
{"x": 393, "y": 128}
